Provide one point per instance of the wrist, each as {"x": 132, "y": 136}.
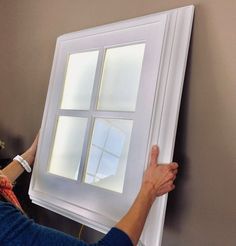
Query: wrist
{"x": 148, "y": 191}
{"x": 29, "y": 156}
{"x": 23, "y": 163}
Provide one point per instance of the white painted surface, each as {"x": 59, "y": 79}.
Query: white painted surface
{"x": 166, "y": 36}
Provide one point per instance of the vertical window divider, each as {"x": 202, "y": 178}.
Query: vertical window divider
{"x": 93, "y": 108}
{"x": 98, "y": 77}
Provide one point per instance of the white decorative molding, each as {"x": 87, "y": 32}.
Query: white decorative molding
{"x": 175, "y": 53}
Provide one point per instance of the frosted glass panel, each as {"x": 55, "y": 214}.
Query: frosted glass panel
{"x": 79, "y": 80}
{"x": 108, "y": 153}
{"x": 68, "y": 145}
{"x": 120, "y": 78}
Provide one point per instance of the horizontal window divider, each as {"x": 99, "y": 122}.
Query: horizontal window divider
{"x": 74, "y": 113}
{"x": 97, "y": 114}
{"x": 114, "y": 115}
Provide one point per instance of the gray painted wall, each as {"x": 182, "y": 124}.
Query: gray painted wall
{"x": 202, "y": 209}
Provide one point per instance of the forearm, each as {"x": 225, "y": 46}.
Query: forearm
{"x": 15, "y": 169}
{"x": 133, "y": 222}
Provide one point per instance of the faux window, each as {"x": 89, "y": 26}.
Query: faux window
{"x": 114, "y": 91}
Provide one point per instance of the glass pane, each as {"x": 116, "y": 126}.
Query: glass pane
{"x": 79, "y": 80}
{"x": 68, "y": 145}
{"x": 108, "y": 153}
{"x": 120, "y": 78}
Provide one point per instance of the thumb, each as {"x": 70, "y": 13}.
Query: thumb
{"x": 154, "y": 155}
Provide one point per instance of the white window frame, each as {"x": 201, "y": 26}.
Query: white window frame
{"x": 170, "y": 71}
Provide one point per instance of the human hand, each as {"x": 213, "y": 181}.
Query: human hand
{"x": 158, "y": 178}
{"x": 30, "y": 153}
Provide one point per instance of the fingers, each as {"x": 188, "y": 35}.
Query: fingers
{"x": 169, "y": 175}
{"x": 154, "y": 158}
{"x": 174, "y": 165}
{"x": 168, "y": 180}
{"x": 173, "y": 170}
{"x": 165, "y": 189}
{"x": 154, "y": 155}
{"x": 161, "y": 176}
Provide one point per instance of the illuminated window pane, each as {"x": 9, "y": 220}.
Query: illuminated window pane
{"x": 108, "y": 153}
{"x": 79, "y": 80}
{"x": 95, "y": 157}
{"x": 108, "y": 165}
{"x": 120, "y": 78}
{"x": 68, "y": 145}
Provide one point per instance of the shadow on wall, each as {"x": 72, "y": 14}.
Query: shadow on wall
{"x": 177, "y": 201}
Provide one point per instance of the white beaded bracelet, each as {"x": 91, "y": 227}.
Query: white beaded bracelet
{"x": 23, "y": 163}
